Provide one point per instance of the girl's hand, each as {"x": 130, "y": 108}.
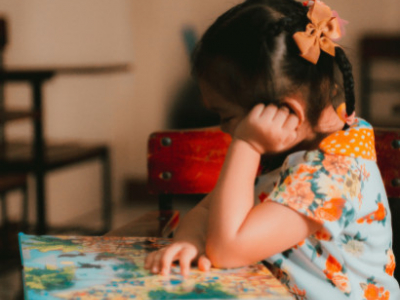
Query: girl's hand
{"x": 161, "y": 261}
{"x": 268, "y": 129}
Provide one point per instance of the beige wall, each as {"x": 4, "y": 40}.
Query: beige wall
{"x": 122, "y": 109}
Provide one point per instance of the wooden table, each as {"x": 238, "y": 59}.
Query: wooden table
{"x": 112, "y": 268}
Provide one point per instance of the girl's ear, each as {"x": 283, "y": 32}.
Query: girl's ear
{"x": 296, "y": 106}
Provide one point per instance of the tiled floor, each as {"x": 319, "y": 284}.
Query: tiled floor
{"x": 10, "y": 281}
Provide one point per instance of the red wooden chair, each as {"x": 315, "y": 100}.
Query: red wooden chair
{"x": 185, "y": 162}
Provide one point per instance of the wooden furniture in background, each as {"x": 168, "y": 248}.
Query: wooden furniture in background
{"x": 40, "y": 156}
{"x": 10, "y": 183}
{"x": 380, "y": 88}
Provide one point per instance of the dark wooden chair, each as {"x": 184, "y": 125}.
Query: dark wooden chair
{"x": 9, "y": 182}
{"x": 38, "y": 156}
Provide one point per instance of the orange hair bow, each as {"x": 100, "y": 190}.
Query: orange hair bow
{"x": 319, "y": 33}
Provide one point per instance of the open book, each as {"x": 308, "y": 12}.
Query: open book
{"x": 87, "y": 267}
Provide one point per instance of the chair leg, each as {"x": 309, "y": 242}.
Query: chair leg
{"x": 107, "y": 202}
{"x": 4, "y": 219}
{"x": 3, "y": 208}
{"x": 40, "y": 203}
{"x": 24, "y": 191}
{"x": 165, "y": 202}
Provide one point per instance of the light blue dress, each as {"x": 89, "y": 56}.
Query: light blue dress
{"x": 340, "y": 186}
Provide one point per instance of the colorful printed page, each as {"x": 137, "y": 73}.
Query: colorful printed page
{"x": 80, "y": 268}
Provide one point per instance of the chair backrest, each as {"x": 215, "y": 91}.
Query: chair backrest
{"x": 186, "y": 161}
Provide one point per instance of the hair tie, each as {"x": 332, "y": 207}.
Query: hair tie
{"x": 319, "y": 33}
{"x": 341, "y": 111}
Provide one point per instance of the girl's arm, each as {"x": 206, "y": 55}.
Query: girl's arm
{"x": 188, "y": 245}
{"x": 239, "y": 232}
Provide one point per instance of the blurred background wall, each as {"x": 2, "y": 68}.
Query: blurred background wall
{"x": 123, "y": 109}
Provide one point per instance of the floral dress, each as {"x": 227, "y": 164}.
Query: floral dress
{"x": 340, "y": 186}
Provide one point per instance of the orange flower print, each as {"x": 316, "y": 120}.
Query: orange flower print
{"x": 372, "y": 292}
{"x": 341, "y": 281}
{"x": 288, "y": 180}
{"x": 299, "y": 244}
{"x": 336, "y": 164}
{"x": 323, "y": 235}
{"x": 331, "y": 210}
{"x": 364, "y": 173}
{"x": 334, "y": 273}
{"x": 360, "y": 198}
{"x": 300, "y": 294}
{"x": 304, "y": 172}
{"x": 332, "y": 265}
{"x": 299, "y": 195}
{"x": 379, "y": 215}
{"x": 390, "y": 266}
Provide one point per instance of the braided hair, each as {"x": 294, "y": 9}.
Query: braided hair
{"x": 249, "y": 56}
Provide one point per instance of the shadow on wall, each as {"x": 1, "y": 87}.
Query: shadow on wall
{"x": 187, "y": 110}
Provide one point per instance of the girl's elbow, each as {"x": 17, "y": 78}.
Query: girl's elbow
{"x": 221, "y": 256}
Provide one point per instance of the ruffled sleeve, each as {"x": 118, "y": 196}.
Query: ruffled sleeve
{"x": 322, "y": 187}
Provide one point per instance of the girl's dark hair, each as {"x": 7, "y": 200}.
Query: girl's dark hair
{"x": 249, "y": 56}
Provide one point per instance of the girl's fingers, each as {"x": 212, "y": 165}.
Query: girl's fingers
{"x": 269, "y": 112}
{"x": 257, "y": 110}
{"x": 204, "y": 263}
{"x": 281, "y": 116}
{"x": 170, "y": 255}
{"x": 186, "y": 257}
{"x": 291, "y": 122}
{"x": 155, "y": 266}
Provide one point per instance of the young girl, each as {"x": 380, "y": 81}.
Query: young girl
{"x": 322, "y": 221}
